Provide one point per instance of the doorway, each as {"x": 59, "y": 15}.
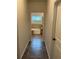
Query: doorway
{"x": 37, "y": 23}
{"x": 56, "y": 42}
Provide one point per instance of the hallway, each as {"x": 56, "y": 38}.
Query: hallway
{"x": 36, "y": 49}
{"x": 35, "y": 18}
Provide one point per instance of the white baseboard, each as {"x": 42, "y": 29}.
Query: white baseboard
{"x": 24, "y": 51}
{"x": 47, "y": 51}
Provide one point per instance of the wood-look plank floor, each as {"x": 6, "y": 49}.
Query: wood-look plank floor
{"x": 36, "y": 49}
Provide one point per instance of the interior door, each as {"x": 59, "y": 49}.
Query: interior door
{"x": 57, "y": 47}
{"x": 55, "y": 52}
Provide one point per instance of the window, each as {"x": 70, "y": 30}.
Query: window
{"x": 36, "y": 19}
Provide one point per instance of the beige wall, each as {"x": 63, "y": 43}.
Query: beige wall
{"x": 37, "y": 5}
{"x": 23, "y": 27}
{"x": 36, "y": 25}
{"x": 48, "y": 25}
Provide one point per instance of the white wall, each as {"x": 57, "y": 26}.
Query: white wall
{"x": 23, "y": 26}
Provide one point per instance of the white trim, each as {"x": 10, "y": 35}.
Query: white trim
{"x": 24, "y": 50}
{"x": 47, "y": 51}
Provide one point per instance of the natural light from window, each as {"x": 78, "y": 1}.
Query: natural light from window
{"x": 36, "y": 19}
